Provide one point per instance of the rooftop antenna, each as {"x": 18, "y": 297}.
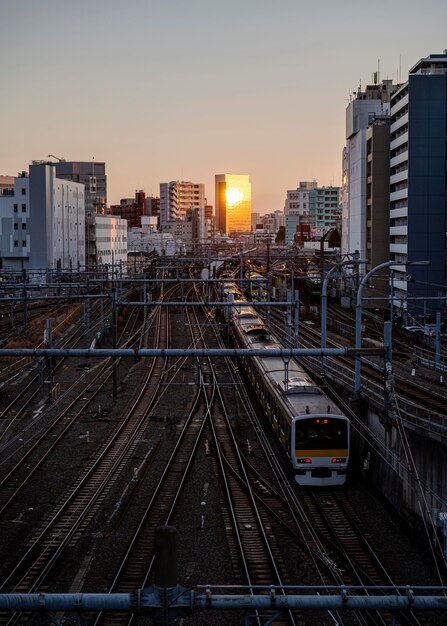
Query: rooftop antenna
{"x": 60, "y": 159}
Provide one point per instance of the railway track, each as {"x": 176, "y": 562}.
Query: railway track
{"x": 427, "y": 401}
{"x": 324, "y": 524}
{"x": 137, "y": 565}
{"x": 42, "y": 445}
{"x": 75, "y": 511}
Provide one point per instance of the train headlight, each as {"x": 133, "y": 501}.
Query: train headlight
{"x": 338, "y": 460}
{"x": 304, "y": 460}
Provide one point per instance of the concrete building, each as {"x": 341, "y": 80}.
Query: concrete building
{"x": 233, "y": 203}
{"x": 92, "y": 175}
{"x": 148, "y": 239}
{"x": 374, "y": 101}
{"x": 14, "y": 226}
{"x": 153, "y": 207}
{"x": 272, "y": 222}
{"x": 377, "y": 191}
{"x": 418, "y": 184}
{"x": 194, "y": 232}
{"x": 6, "y": 185}
{"x": 324, "y": 209}
{"x": 107, "y": 243}
{"x": 179, "y": 197}
{"x": 296, "y": 208}
{"x": 255, "y": 220}
{"x": 131, "y": 209}
{"x": 43, "y": 222}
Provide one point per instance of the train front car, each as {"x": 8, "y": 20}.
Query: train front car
{"x": 320, "y": 449}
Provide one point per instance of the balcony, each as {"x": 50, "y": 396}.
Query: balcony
{"x": 399, "y": 141}
{"x": 399, "y": 248}
{"x": 399, "y": 195}
{"x": 399, "y": 177}
{"x": 399, "y": 230}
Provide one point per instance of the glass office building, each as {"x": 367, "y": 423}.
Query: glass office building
{"x": 233, "y": 203}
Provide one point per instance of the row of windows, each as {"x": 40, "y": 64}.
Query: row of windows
{"x": 16, "y": 226}
{"x": 16, "y": 208}
{"x": 16, "y": 243}
{"x": 398, "y": 133}
{"x": 397, "y": 169}
{"x": 397, "y": 151}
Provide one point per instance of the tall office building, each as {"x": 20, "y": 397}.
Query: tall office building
{"x": 418, "y": 183}
{"x": 178, "y": 198}
{"x": 90, "y": 174}
{"x": 368, "y": 104}
{"x": 233, "y": 203}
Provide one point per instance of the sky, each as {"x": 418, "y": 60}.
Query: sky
{"x": 167, "y": 90}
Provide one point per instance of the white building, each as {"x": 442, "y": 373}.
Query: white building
{"x": 296, "y": 208}
{"x": 110, "y": 241}
{"x": 43, "y": 223}
{"x": 359, "y": 114}
{"x": 14, "y": 226}
{"x": 146, "y": 240}
{"x": 273, "y": 221}
{"x": 178, "y": 198}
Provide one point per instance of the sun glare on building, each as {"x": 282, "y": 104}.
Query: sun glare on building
{"x": 233, "y": 196}
{"x": 233, "y": 203}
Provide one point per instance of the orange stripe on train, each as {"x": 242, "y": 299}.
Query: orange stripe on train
{"x": 304, "y": 452}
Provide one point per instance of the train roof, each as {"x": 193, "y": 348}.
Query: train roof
{"x": 298, "y": 391}
{"x": 245, "y": 311}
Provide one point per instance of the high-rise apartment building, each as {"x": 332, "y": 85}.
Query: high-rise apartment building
{"x": 418, "y": 183}
{"x": 324, "y": 209}
{"x": 177, "y": 198}
{"x": 368, "y": 104}
{"x": 233, "y": 203}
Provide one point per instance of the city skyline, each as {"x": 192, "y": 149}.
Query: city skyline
{"x": 172, "y": 92}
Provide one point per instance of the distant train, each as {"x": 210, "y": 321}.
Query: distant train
{"x": 312, "y": 431}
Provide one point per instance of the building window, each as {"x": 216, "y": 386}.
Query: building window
{"x": 16, "y": 244}
{"x": 24, "y": 226}
{"x": 23, "y": 243}
{"x": 23, "y": 191}
{"x": 16, "y": 227}
{"x": 15, "y": 208}
{"x": 23, "y": 208}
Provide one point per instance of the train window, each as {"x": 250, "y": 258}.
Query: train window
{"x": 324, "y": 433}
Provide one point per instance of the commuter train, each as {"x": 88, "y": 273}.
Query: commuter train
{"x": 315, "y": 436}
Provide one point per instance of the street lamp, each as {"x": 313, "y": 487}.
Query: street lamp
{"x": 354, "y": 261}
{"x": 358, "y": 313}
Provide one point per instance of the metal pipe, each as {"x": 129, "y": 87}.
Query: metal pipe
{"x": 138, "y": 353}
{"x": 273, "y": 598}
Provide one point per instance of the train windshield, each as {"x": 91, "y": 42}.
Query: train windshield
{"x": 321, "y": 433}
